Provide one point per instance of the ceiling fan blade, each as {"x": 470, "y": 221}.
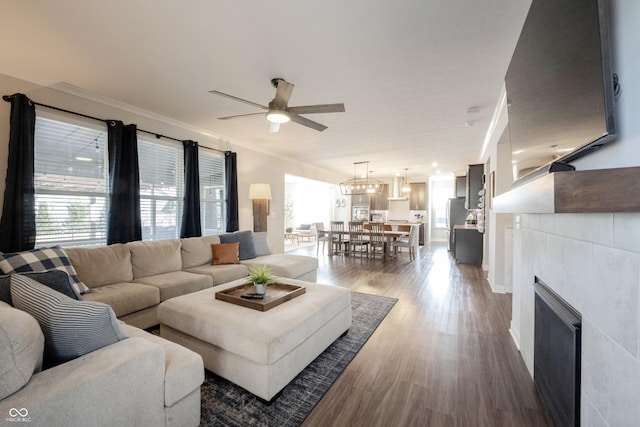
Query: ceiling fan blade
{"x": 308, "y": 123}
{"x": 240, "y": 115}
{"x": 322, "y": 108}
{"x": 283, "y": 92}
{"x": 274, "y": 127}
{"x": 235, "y": 98}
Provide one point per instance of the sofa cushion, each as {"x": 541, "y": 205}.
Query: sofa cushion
{"x": 177, "y": 283}
{"x": 261, "y": 243}
{"x": 21, "y": 349}
{"x": 222, "y": 273}
{"x": 225, "y": 253}
{"x": 71, "y": 328}
{"x": 184, "y": 370}
{"x": 126, "y": 298}
{"x": 102, "y": 266}
{"x": 197, "y": 250}
{"x": 55, "y": 279}
{"x": 42, "y": 259}
{"x": 245, "y": 238}
{"x": 155, "y": 257}
{"x": 286, "y": 265}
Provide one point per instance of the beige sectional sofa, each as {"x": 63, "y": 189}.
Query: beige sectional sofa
{"x": 141, "y": 380}
{"x": 134, "y": 278}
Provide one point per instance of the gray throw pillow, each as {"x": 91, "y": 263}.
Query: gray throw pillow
{"x": 261, "y": 243}
{"x": 71, "y": 328}
{"x": 245, "y": 238}
{"x": 57, "y": 280}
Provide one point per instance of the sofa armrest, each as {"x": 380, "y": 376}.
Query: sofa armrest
{"x": 121, "y": 384}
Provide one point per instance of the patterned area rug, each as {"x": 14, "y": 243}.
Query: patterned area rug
{"x": 226, "y": 404}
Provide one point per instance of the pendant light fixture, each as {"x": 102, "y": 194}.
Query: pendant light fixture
{"x": 363, "y": 184}
{"x": 406, "y": 188}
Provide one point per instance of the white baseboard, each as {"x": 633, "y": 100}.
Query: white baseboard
{"x": 515, "y": 335}
{"x": 498, "y": 289}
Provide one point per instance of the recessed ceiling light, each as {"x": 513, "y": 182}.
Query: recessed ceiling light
{"x": 468, "y": 123}
{"x": 84, "y": 159}
{"x": 472, "y": 110}
{"x": 434, "y": 164}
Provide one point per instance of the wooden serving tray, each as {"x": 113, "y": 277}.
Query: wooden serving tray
{"x": 277, "y": 293}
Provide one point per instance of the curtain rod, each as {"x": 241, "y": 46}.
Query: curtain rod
{"x": 8, "y": 98}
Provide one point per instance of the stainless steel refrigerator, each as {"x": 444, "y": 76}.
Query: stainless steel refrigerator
{"x": 456, "y": 215}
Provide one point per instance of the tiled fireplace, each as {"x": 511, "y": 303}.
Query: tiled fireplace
{"x": 593, "y": 262}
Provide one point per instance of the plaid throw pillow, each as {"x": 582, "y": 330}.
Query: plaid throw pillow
{"x": 43, "y": 259}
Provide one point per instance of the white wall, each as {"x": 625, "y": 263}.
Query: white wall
{"x": 253, "y": 166}
{"x": 497, "y": 236}
{"x": 593, "y": 260}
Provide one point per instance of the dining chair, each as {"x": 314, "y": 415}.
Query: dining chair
{"x": 377, "y": 240}
{"x": 357, "y": 242}
{"x": 321, "y": 236}
{"x": 339, "y": 244}
{"x": 387, "y": 227}
{"x": 411, "y": 242}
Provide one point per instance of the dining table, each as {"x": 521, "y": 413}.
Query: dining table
{"x": 390, "y": 236}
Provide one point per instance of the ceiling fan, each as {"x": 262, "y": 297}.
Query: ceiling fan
{"x": 279, "y": 112}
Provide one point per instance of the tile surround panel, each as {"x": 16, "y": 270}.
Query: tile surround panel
{"x": 593, "y": 262}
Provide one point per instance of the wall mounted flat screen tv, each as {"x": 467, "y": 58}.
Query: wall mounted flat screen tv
{"x": 560, "y": 88}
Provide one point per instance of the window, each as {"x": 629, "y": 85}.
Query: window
{"x": 212, "y": 192}
{"x": 161, "y": 189}
{"x": 71, "y": 183}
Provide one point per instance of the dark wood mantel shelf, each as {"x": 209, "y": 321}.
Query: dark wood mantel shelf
{"x": 589, "y": 191}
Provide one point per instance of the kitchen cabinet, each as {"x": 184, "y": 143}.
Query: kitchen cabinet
{"x": 417, "y": 197}
{"x": 379, "y": 202}
{"x": 467, "y": 245}
{"x": 461, "y": 186}
{"x": 475, "y": 174}
{"x": 360, "y": 200}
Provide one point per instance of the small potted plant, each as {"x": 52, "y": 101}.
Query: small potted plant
{"x": 261, "y": 276}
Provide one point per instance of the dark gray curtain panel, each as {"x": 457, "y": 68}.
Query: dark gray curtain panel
{"x": 191, "y": 226}
{"x": 18, "y": 223}
{"x": 231, "y": 179}
{"x": 123, "y": 222}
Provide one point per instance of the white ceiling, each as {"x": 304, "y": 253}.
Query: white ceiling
{"x": 407, "y": 71}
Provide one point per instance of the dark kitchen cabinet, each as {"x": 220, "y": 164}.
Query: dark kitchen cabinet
{"x": 475, "y": 182}
{"x": 461, "y": 186}
{"x": 417, "y": 197}
{"x": 467, "y": 245}
{"x": 379, "y": 202}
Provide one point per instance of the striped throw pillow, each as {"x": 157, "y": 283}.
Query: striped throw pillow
{"x": 71, "y": 328}
{"x": 42, "y": 259}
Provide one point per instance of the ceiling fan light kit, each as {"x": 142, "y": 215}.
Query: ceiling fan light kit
{"x": 278, "y": 116}
{"x": 279, "y": 112}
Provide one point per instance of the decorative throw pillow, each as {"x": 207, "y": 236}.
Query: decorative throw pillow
{"x": 245, "y": 238}
{"x": 71, "y": 328}
{"x": 21, "y": 349}
{"x": 225, "y": 253}
{"x": 42, "y": 259}
{"x": 55, "y": 279}
{"x": 261, "y": 243}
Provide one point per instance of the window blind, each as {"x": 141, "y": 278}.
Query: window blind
{"x": 212, "y": 192}
{"x": 71, "y": 183}
{"x": 161, "y": 189}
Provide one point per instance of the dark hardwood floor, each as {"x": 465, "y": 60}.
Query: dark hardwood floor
{"x": 442, "y": 357}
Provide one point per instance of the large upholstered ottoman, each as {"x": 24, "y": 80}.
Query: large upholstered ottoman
{"x": 260, "y": 351}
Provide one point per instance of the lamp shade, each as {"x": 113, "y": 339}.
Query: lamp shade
{"x": 260, "y": 191}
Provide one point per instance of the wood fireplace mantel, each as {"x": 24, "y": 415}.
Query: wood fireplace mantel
{"x": 589, "y": 191}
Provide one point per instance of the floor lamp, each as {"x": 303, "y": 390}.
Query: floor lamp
{"x": 260, "y": 194}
